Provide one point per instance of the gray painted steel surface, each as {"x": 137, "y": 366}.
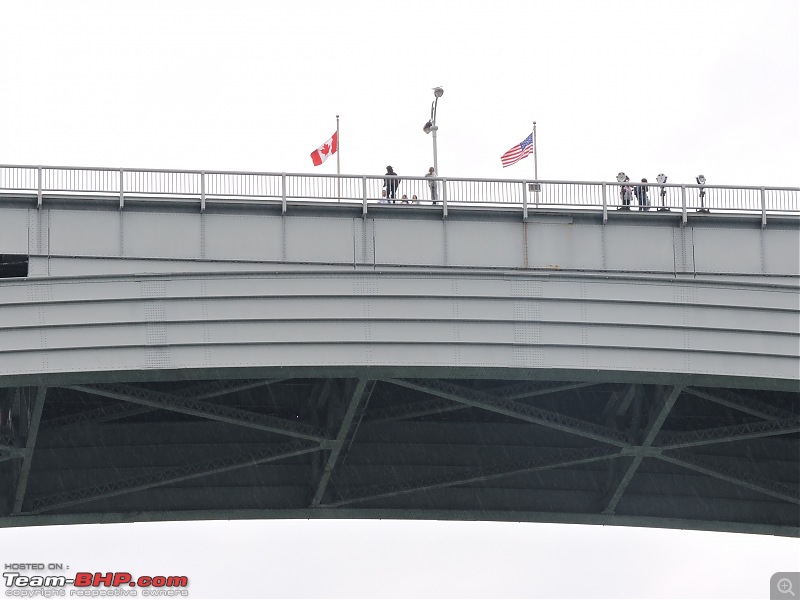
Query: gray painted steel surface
{"x": 244, "y": 362}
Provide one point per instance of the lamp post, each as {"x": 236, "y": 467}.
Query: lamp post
{"x": 430, "y": 127}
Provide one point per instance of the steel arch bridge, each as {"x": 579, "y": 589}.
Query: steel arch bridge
{"x": 570, "y": 366}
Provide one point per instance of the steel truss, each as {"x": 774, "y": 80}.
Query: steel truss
{"x": 217, "y": 412}
{"x": 161, "y": 477}
{"x": 631, "y": 428}
{"x": 558, "y": 460}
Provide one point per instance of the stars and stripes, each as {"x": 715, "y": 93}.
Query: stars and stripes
{"x": 518, "y": 152}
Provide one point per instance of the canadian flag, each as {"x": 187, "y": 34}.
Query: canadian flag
{"x": 321, "y": 154}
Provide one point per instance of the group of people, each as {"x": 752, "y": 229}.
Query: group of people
{"x": 392, "y": 183}
{"x": 627, "y": 192}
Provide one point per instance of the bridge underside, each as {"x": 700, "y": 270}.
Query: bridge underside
{"x": 467, "y": 444}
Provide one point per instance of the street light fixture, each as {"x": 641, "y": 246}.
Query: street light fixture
{"x": 430, "y": 127}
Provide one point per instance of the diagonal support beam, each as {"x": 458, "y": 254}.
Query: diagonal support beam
{"x": 95, "y": 416}
{"x": 733, "y": 433}
{"x": 217, "y": 388}
{"x": 435, "y": 406}
{"x": 216, "y": 412}
{"x": 709, "y": 467}
{"x": 517, "y": 410}
{"x": 618, "y": 405}
{"x": 432, "y": 406}
{"x": 558, "y": 460}
{"x": 361, "y": 392}
{"x": 170, "y": 476}
{"x": 746, "y": 405}
{"x": 520, "y": 391}
{"x": 34, "y": 418}
{"x": 667, "y": 401}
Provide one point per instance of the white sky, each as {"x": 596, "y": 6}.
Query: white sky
{"x": 680, "y": 87}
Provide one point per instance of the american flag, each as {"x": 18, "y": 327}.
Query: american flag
{"x": 518, "y": 152}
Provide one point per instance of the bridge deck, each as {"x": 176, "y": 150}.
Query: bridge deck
{"x": 572, "y": 366}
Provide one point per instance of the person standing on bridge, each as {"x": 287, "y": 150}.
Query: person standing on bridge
{"x": 625, "y": 193}
{"x": 391, "y": 183}
{"x": 432, "y": 183}
{"x": 641, "y": 195}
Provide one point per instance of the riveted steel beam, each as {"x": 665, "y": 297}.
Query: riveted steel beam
{"x": 435, "y": 406}
{"x": 746, "y": 405}
{"x": 217, "y": 412}
{"x": 541, "y": 462}
{"x": 617, "y": 405}
{"x": 657, "y": 418}
{"x": 95, "y": 416}
{"x": 708, "y": 466}
{"x": 733, "y": 433}
{"x": 167, "y": 476}
{"x": 519, "y": 391}
{"x": 516, "y": 410}
{"x": 213, "y": 389}
{"x": 360, "y": 394}
{"x": 34, "y": 418}
{"x": 431, "y": 406}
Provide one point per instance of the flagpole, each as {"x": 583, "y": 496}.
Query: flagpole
{"x": 338, "y": 171}
{"x": 535, "y": 164}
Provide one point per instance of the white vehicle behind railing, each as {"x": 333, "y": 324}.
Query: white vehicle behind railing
{"x": 207, "y": 186}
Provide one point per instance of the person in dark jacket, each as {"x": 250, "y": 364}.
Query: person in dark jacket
{"x": 391, "y": 183}
{"x": 641, "y": 195}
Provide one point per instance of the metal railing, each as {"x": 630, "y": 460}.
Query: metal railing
{"x": 367, "y": 189}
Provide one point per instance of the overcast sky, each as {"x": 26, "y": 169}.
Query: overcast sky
{"x": 679, "y": 87}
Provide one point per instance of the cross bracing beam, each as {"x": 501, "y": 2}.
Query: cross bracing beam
{"x": 658, "y": 416}
{"x": 746, "y": 405}
{"x": 168, "y": 476}
{"x": 709, "y": 466}
{"x": 618, "y": 405}
{"x": 34, "y": 418}
{"x": 562, "y": 459}
{"x": 9, "y": 451}
{"x": 217, "y": 412}
{"x": 213, "y": 389}
{"x": 431, "y": 406}
{"x": 435, "y": 406}
{"x": 516, "y": 410}
{"x": 520, "y": 391}
{"x": 359, "y": 395}
{"x": 101, "y": 414}
{"x": 733, "y": 433}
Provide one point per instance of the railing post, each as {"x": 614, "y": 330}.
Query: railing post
{"x": 444, "y": 198}
{"x": 121, "y": 188}
{"x": 763, "y": 208}
{"x": 524, "y": 200}
{"x": 605, "y": 204}
{"x": 202, "y": 191}
{"x": 683, "y": 203}
{"x": 364, "y": 190}
{"x": 39, "y": 187}
{"x": 283, "y": 193}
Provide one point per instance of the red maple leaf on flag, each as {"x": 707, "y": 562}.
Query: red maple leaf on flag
{"x": 329, "y": 148}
